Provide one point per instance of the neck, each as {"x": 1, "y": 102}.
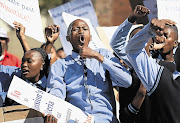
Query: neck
{"x": 76, "y": 51}
{"x": 168, "y": 57}
{"x": 34, "y": 79}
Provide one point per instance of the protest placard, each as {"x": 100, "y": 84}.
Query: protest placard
{"x": 26, "y": 12}
{"x": 169, "y": 9}
{"x": 34, "y": 98}
{"x": 152, "y": 6}
{"x": 80, "y": 8}
{"x": 105, "y": 34}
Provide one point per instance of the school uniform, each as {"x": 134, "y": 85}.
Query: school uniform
{"x": 161, "y": 83}
{"x": 127, "y": 112}
{"x": 6, "y": 76}
{"x": 84, "y": 84}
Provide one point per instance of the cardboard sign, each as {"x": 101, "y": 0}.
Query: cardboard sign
{"x": 20, "y": 114}
{"x": 25, "y": 12}
{"x": 152, "y": 6}
{"x": 34, "y": 98}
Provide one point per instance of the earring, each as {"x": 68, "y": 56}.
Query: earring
{"x": 41, "y": 68}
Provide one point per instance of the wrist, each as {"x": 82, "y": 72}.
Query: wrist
{"x": 133, "y": 109}
{"x": 132, "y": 18}
{"x": 99, "y": 57}
{"x": 49, "y": 42}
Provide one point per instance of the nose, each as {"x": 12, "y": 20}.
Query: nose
{"x": 24, "y": 64}
{"x": 81, "y": 31}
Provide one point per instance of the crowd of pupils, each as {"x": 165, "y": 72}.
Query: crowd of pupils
{"x": 144, "y": 68}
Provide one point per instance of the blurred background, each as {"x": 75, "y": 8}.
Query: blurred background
{"x": 109, "y": 13}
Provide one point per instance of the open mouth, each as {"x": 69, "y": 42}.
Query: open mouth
{"x": 24, "y": 71}
{"x": 82, "y": 39}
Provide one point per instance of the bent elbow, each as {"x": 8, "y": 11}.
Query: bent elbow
{"x": 128, "y": 82}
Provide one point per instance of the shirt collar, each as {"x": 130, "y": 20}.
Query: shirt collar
{"x": 176, "y": 74}
{"x": 75, "y": 56}
{"x": 41, "y": 82}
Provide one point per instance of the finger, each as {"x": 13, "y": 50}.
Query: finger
{"x": 144, "y": 9}
{"x": 169, "y": 22}
{"x": 51, "y": 118}
{"x": 162, "y": 25}
{"x": 43, "y": 114}
{"x": 48, "y": 118}
{"x": 55, "y": 120}
{"x": 152, "y": 23}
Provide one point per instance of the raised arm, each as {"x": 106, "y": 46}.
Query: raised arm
{"x": 146, "y": 68}
{"x": 120, "y": 39}
{"x": 20, "y": 33}
{"x": 52, "y": 33}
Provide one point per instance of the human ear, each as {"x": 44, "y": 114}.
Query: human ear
{"x": 68, "y": 38}
{"x": 176, "y": 44}
{"x": 42, "y": 65}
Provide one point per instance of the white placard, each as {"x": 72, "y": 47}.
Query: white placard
{"x": 34, "y": 98}
{"x": 169, "y": 9}
{"x": 80, "y": 8}
{"x": 95, "y": 42}
{"x": 105, "y": 34}
{"x": 26, "y": 12}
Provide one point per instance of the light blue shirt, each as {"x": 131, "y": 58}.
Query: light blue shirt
{"x": 66, "y": 80}
{"x": 119, "y": 41}
{"x": 6, "y": 76}
{"x": 146, "y": 67}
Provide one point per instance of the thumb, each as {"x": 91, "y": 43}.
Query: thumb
{"x": 43, "y": 114}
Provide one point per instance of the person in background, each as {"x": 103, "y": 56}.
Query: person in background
{"x": 133, "y": 97}
{"x": 81, "y": 78}
{"x": 177, "y": 58}
{"x": 60, "y": 53}
{"x": 53, "y": 54}
{"x": 7, "y": 58}
{"x": 51, "y": 32}
{"x": 162, "y": 85}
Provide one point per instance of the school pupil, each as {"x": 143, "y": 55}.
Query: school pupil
{"x": 161, "y": 79}
{"x": 80, "y": 78}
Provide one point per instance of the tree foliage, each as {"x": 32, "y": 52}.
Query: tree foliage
{"x": 45, "y": 5}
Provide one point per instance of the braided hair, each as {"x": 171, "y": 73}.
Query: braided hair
{"x": 45, "y": 58}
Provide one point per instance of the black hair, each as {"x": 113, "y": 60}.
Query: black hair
{"x": 46, "y": 60}
{"x": 139, "y": 27}
{"x": 177, "y": 58}
{"x": 70, "y": 27}
{"x": 174, "y": 27}
{"x": 60, "y": 49}
{"x": 44, "y": 44}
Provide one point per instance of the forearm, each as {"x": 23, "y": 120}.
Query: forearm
{"x": 139, "y": 98}
{"x": 145, "y": 67}
{"x": 119, "y": 74}
{"x": 120, "y": 40}
{"x": 99, "y": 57}
{"x": 24, "y": 43}
{"x": 138, "y": 42}
{"x": 48, "y": 47}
